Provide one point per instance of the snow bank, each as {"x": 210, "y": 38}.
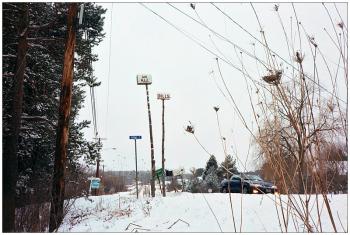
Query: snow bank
{"x": 187, "y": 212}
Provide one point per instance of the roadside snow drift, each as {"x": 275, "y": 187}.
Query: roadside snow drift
{"x": 187, "y": 212}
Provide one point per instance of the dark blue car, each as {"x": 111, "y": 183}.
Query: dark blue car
{"x": 246, "y": 184}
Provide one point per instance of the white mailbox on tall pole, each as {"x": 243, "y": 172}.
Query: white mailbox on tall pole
{"x": 146, "y": 79}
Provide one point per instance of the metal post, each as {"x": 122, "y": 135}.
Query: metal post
{"x": 182, "y": 182}
{"x": 153, "y": 168}
{"x": 137, "y": 180}
{"x": 163, "y": 160}
{"x": 97, "y": 175}
{"x": 97, "y": 167}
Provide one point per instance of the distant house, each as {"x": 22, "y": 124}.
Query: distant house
{"x": 335, "y": 165}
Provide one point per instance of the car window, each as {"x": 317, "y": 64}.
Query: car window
{"x": 235, "y": 177}
{"x": 253, "y": 177}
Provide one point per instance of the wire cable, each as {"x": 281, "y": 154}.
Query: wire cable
{"x": 287, "y": 62}
{"x": 109, "y": 68}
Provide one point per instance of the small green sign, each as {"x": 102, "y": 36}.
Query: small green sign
{"x": 159, "y": 172}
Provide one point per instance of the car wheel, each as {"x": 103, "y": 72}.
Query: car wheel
{"x": 245, "y": 190}
{"x": 225, "y": 190}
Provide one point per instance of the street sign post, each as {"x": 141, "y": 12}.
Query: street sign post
{"x": 160, "y": 173}
{"x": 136, "y": 137}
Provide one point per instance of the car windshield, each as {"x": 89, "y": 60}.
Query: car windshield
{"x": 253, "y": 177}
{"x": 235, "y": 177}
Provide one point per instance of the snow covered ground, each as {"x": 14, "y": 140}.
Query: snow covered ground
{"x": 187, "y": 212}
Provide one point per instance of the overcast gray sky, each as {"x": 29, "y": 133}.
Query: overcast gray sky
{"x": 143, "y": 43}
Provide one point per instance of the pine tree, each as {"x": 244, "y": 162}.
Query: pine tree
{"x": 41, "y": 90}
{"x": 211, "y": 163}
{"x": 212, "y": 180}
{"x": 228, "y": 164}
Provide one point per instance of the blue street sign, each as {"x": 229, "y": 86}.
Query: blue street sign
{"x": 95, "y": 183}
{"x": 135, "y": 137}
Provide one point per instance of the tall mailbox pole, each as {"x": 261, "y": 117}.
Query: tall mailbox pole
{"x": 146, "y": 79}
{"x": 136, "y": 137}
{"x": 163, "y": 97}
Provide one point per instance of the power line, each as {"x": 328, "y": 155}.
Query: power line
{"x": 204, "y": 47}
{"x": 213, "y": 53}
{"x": 92, "y": 94}
{"x": 244, "y": 51}
{"x": 191, "y": 38}
{"x": 109, "y": 68}
{"x": 219, "y": 35}
{"x": 287, "y": 62}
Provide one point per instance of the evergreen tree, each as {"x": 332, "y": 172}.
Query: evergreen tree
{"x": 211, "y": 163}
{"x": 212, "y": 180}
{"x": 199, "y": 172}
{"x": 41, "y": 90}
{"x": 228, "y": 164}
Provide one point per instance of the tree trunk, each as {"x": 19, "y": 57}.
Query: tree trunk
{"x": 56, "y": 211}
{"x": 10, "y": 161}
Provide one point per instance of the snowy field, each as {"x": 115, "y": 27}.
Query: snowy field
{"x": 187, "y": 212}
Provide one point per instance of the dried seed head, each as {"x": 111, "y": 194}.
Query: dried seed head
{"x": 274, "y": 77}
{"x": 330, "y": 105}
{"x": 193, "y": 5}
{"x": 216, "y": 108}
{"x": 312, "y": 40}
{"x": 298, "y": 57}
{"x": 341, "y": 25}
{"x": 276, "y": 7}
{"x": 190, "y": 129}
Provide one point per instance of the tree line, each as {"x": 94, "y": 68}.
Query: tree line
{"x": 34, "y": 37}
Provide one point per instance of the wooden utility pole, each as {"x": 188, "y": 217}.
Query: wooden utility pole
{"x": 58, "y": 184}
{"x": 153, "y": 188}
{"x": 163, "y": 97}
{"x": 98, "y": 168}
{"x": 146, "y": 79}
{"x": 163, "y": 160}
{"x": 135, "y": 138}
{"x": 10, "y": 161}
